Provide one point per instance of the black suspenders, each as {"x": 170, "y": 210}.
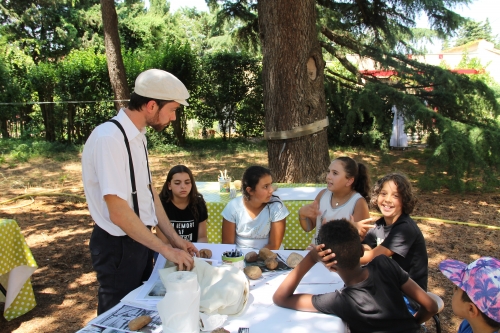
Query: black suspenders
{"x": 131, "y": 167}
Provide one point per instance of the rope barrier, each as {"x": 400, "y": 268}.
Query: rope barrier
{"x": 63, "y": 102}
{"x": 430, "y": 219}
{"x": 44, "y": 194}
{"x": 19, "y": 206}
{"x": 436, "y": 220}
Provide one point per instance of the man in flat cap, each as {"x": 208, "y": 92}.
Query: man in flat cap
{"x": 122, "y": 201}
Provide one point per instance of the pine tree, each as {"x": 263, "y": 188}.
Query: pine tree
{"x": 463, "y": 130}
{"x": 472, "y": 30}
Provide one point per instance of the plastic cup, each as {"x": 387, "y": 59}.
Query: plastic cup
{"x": 238, "y": 262}
{"x": 225, "y": 185}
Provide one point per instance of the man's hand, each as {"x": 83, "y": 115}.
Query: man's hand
{"x": 326, "y": 257}
{"x": 187, "y": 246}
{"x": 363, "y": 226}
{"x": 191, "y": 249}
{"x": 181, "y": 258}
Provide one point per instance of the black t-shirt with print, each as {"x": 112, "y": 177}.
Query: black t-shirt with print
{"x": 405, "y": 239}
{"x": 183, "y": 220}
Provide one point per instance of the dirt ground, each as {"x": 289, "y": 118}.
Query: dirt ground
{"x": 58, "y": 228}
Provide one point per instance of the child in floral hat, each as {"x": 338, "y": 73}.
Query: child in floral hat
{"x": 476, "y": 296}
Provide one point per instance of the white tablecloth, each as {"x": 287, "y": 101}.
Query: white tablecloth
{"x": 263, "y": 316}
{"x": 211, "y": 193}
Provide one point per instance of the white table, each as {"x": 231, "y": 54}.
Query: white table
{"x": 210, "y": 191}
{"x": 262, "y": 315}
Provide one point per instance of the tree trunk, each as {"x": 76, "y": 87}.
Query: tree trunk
{"x": 114, "y": 58}
{"x": 293, "y": 88}
{"x": 4, "y": 128}
{"x": 71, "y": 122}
{"x": 48, "y": 116}
{"x": 179, "y": 126}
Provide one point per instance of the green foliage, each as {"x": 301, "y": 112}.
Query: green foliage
{"x": 201, "y": 31}
{"x": 471, "y": 31}
{"x": 9, "y": 92}
{"x": 43, "y": 78}
{"x": 465, "y": 152}
{"x": 159, "y": 7}
{"x": 357, "y": 117}
{"x": 23, "y": 150}
{"x": 241, "y": 18}
{"x": 177, "y": 58}
{"x": 44, "y": 29}
{"x": 213, "y": 146}
{"x": 83, "y": 77}
{"x": 16, "y": 88}
{"x": 162, "y": 142}
{"x": 231, "y": 95}
{"x": 139, "y": 28}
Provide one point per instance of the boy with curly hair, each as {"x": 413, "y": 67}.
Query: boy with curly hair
{"x": 396, "y": 235}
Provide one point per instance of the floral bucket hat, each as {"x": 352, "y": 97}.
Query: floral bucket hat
{"x": 480, "y": 280}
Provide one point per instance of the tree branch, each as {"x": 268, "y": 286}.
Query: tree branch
{"x": 341, "y": 76}
{"x": 343, "y": 60}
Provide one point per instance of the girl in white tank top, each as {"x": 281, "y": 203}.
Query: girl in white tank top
{"x": 329, "y": 212}
{"x": 347, "y": 187}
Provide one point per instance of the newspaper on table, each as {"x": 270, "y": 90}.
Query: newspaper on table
{"x": 97, "y": 329}
{"x": 153, "y": 290}
{"x": 116, "y": 320}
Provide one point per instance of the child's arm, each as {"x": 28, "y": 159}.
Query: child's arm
{"x": 202, "y": 232}
{"x": 308, "y": 213}
{"x": 284, "y": 295}
{"x": 428, "y": 307}
{"x": 362, "y": 225}
{"x": 276, "y": 234}
{"x": 366, "y": 247}
{"x": 228, "y": 232}
{"x": 379, "y": 250}
{"x": 369, "y": 255}
{"x": 360, "y": 215}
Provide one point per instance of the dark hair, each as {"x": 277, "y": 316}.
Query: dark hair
{"x": 251, "y": 178}
{"x": 359, "y": 172}
{"x": 137, "y": 101}
{"x": 405, "y": 190}
{"x": 195, "y": 198}
{"x": 490, "y": 322}
{"x": 342, "y": 238}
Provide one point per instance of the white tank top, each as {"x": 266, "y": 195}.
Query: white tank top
{"x": 334, "y": 213}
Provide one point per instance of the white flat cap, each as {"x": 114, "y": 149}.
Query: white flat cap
{"x": 159, "y": 84}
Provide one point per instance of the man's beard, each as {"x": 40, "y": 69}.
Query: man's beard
{"x": 155, "y": 124}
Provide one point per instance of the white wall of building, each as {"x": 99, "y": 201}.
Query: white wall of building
{"x": 481, "y": 49}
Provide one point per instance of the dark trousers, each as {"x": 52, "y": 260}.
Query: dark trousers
{"x": 121, "y": 264}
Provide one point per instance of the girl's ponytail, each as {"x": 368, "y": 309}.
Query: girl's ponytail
{"x": 359, "y": 172}
{"x": 362, "y": 182}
